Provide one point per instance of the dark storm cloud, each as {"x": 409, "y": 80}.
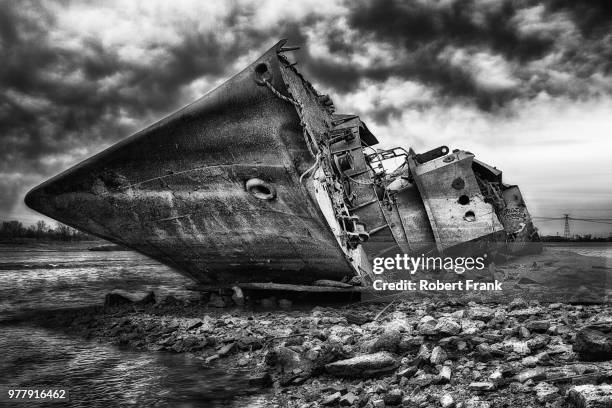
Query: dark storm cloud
{"x": 425, "y": 30}
{"x": 466, "y": 23}
{"x": 71, "y": 112}
{"x": 59, "y": 99}
{"x": 593, "y": 17}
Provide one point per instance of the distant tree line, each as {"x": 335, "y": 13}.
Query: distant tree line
{"x": 41, "y": 230}
{"x": 576, "y": 238}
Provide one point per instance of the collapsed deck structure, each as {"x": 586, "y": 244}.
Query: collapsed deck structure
{"x": 261, "y": 180}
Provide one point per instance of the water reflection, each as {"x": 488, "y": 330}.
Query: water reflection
{"x": 102, "y": 375}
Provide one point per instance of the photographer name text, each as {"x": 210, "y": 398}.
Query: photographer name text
{"x": 437, "y": 285}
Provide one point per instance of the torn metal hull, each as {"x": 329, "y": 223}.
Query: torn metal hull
{"x": 260, "y": 181}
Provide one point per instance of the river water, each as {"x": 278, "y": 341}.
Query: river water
{"x": 50, "y": 276}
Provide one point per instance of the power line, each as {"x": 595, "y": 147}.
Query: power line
{"x": 595, "y": 220}
{"x": 566, "y": 219}
{"x": 566, "y": 229}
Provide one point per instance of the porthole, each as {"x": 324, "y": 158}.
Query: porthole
{"x": 262, "y": 73}
{"x": 458, "y": 184}
{"x": 260, "y": 189}
{"x": 463, "y": 200}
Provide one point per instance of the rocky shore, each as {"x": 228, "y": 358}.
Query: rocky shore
{"x": 408, "y": 354}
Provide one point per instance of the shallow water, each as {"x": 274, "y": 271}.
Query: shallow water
{"x": 57, "y": 276}
{"x": 102, "y": 375}
{"x": 598, "y": 249}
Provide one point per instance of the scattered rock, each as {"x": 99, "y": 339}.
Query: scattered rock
{"x": 423, "y": 379}
{"x": 448, "y": 326}
{"x": 424, "y": 354}
{"x": 445, "y": 374}
{"x": 546, "y": 392}
{"x": 367, "y": 365}
{"x": 446, "y": 349}
{"x": 517, "y": 346}
{"x": 356, "y": 318}
{"x": 538, "y": 341}
{"x": 238, "y": 296}
{"x": 250, "y": 343}
{"x": 427, "y": 325}
{"x": 212, "y": 358}
{"x": 538, "y": 373}
{"x": 470, "y": 327}
{"x": 393, "y": 397}
{"x": 191, "y": 324}
{"x": 537, "y": 325}
{"x": 348, "y": 400}
{"x": 388, "y": 341}
{"x": 482, "y": 386}
{"x": 226, "y": 349}
{"x": 407, "y": 372}
{"x": 438, "y": 355}
{"x": 590, "y": 396}
{"x": 517, "y": 303}
{"x": 481, "y": 313}
{"x": 331, "y": 399}
{"x": 378, "y": 403}
{"x": 411, "y": 343}
{"x": 526, "y": 312}
{"x": 447, "y": 401}
{"x": 593, "y": 345}
{"x": 476, "y": 402}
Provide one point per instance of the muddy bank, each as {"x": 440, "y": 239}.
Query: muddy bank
{"x": 416, "y": 354}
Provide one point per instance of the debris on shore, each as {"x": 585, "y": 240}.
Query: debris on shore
{"x": 415, "y": 354}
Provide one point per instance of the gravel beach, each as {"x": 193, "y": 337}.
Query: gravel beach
{"x": 415, "y": 354}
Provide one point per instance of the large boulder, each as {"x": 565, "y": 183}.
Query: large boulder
{"x": 593, "y": 345}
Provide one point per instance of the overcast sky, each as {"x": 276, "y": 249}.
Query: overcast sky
{"x": 525, "y": 85}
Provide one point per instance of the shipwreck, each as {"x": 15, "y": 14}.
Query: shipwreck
{"x": 260, "y": 180}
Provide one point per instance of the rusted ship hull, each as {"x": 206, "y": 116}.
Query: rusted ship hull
{"x": 260, "y": 181}
{"x": 176, "y": 190}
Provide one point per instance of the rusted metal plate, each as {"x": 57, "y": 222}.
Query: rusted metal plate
{"x": 517, "y": 222}
{"x": 419, "y": 236}
{"x": 455, "y": 206}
